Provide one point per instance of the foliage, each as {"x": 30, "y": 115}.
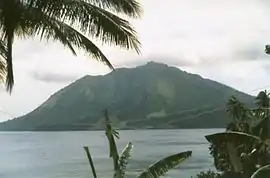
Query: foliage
{"x": 69, "y": 22}
{"x": 120, "y": 163}
{"x": 237, "y": 109}
{"x": 3, "y": 57}
{"x": 124, "y": 158}
{"x": 207, "y": 174}
{"x": 161, "y": 167}
{"x": 267, "y": 49}
{"x": 243, "y": 148}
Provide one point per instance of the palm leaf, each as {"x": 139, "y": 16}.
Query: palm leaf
{"x": 62, "y": 18}
{"x": 124, "y": 158}
{"x": 3, "y": 49}
{"x": 161, "y": 167}
{"x": 86, "y": 149}
{"x": 95, "y": 21}
{"x": 3, "y": 58}
{"x": 3, "y": 71}
{"x": 257, "y": 173}
{"x": 10, "y": 76}
{"x": 49, "y": 28}
{"x": 130, "y": 8}
{"x": 9, "y": 21}
{"x": 110, "y": 133}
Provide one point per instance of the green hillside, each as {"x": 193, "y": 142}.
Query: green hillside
{"x": 150, "y": 96}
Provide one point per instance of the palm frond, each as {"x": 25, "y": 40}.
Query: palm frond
{"x": 130, "y": 8}
{"x": 257, "y": 174}
{"x": 94, "y": 21}
{"x": 3, "y": 70}
{"x": 161, "y": 167}
{"x": 3, "y": 49}
{"x": 3, "y": 58}
{"x": 124, "y": 158}
{"x": 9, "y": 21}
{"x": 86, "y": 149}
{"x": 49, "y": 28}
{"x": 110, "y": 133}
{"x": 10, "y": 75}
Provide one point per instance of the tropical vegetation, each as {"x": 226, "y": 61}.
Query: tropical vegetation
{"x": 207, "y": 174}
{"x": 242, "y": 151}
{"x": 120, "y": 161}
{"x": 69, "y": 22}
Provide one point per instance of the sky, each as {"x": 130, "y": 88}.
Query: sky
{"x": 217, "y": 39}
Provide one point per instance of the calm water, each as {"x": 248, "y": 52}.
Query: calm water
{"x": 60, "y": 154}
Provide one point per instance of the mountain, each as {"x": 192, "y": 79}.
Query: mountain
{"x": 151, "y": 96}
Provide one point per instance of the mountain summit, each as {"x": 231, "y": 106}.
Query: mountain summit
{"x": 151, "y": 96}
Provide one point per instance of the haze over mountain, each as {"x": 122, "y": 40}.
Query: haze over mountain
{"x": 151, "y": 96}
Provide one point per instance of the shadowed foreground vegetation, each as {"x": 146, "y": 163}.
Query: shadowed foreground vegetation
{"x": 242, "y": 151}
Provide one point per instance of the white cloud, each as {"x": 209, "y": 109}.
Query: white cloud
{"x": 221, "y": 40}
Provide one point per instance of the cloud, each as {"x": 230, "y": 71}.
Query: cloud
{"x": 51, "y": 77}
{"x": 253, "y": 53}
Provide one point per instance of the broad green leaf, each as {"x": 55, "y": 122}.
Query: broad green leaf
{"x": 234, "y": 157}
{"x": 124, "y": 158}
{"x": 86, "y": 149}
{"x": 161, "y": 167}
{"x": 232, "y": 137}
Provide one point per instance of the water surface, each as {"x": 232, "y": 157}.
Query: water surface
{"x": 60, "y": 154}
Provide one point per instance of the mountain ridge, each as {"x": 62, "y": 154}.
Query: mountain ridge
{"x": 156, "y": 94}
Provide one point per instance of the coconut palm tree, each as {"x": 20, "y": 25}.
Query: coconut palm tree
{"x": 263, "y": 102}
{"x": 262, "y": 112}
{"x": 240, "y": 115}
{"x": 237, "y": 109}
{"x": 69, "y": 22}
{"x": 120, "y": 162}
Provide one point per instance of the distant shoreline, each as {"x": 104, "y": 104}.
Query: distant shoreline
{"x": 103, "y": 130}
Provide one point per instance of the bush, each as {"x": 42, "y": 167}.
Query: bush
{"x": 207, "y": 174}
